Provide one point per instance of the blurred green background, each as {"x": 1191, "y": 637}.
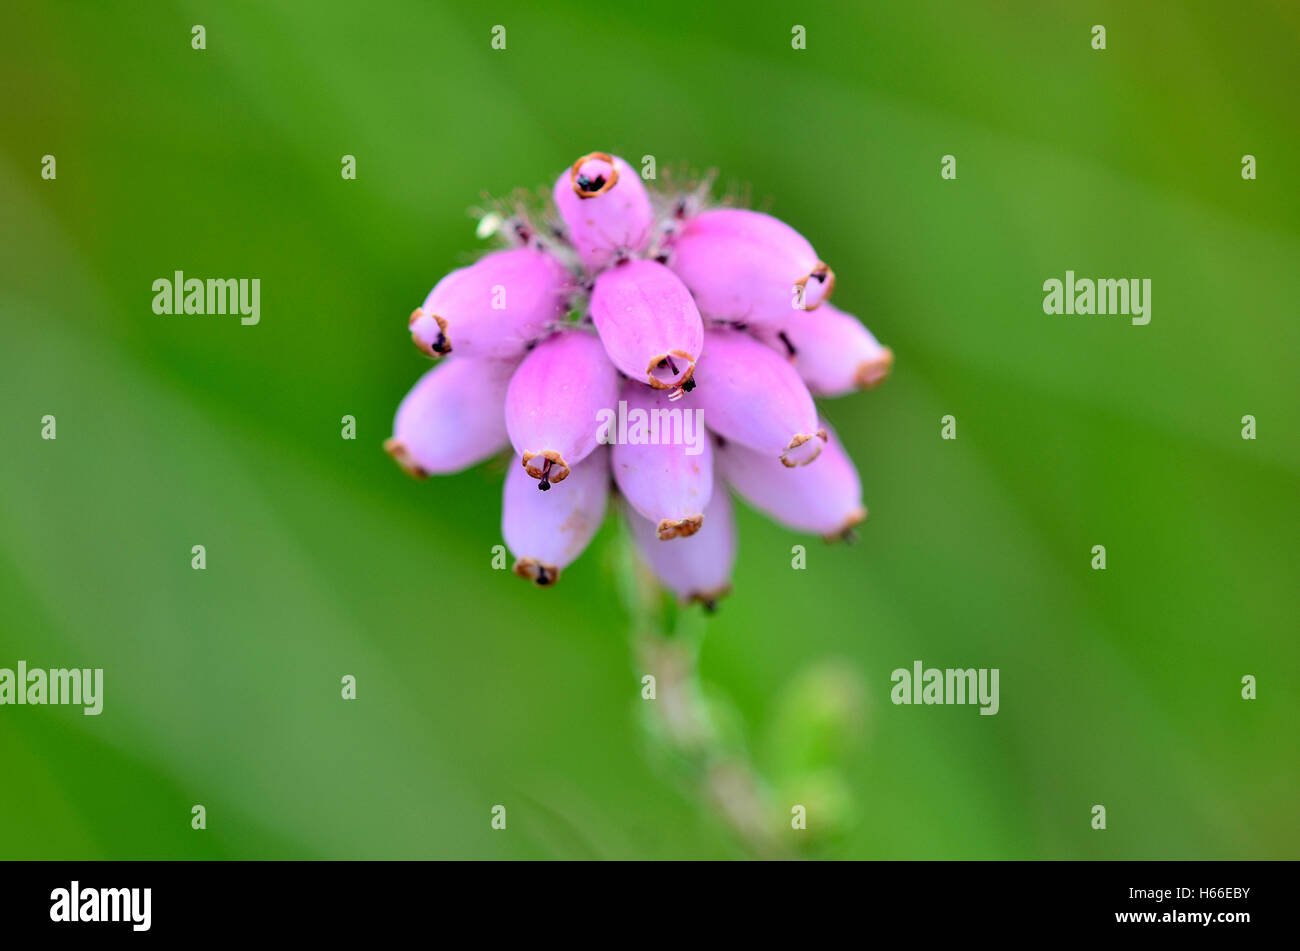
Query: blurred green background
{"x": 1119, "y": 687}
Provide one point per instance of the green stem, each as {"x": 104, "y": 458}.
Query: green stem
{"x": 666, "y": 640}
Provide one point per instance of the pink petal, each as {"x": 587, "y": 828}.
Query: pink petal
{"x": 452, "y": 418}
{"x": 605, "y": 208}
{"x": 825, "y": 499}
{"x": 670, "y": 480}
{"x": 697, "y": 568}
{"x": 648, "y": 323}
{"x": 748, "y": 267}
{"x": 833, "y": 352}
{"x": 495, "y": 307}
{"x": 547, "y": 531}
{"x": 554, "y": 403}
{"x": 752, "y": 396}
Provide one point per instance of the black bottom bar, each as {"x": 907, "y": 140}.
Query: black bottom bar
{"x": 1226, "y": 900}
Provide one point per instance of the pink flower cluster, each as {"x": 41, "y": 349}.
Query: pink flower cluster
{"x": 620, "y": 299}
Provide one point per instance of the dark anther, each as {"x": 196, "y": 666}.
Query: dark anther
{"x": 672, "y": 366}
{"x": 543, "y": 576}
{"x": 591, "y": 184}
{"x": 689, "y": 385}
{"x": 545, "y": 484}
{"x": 440, "y": 345}
{"x": 710, "y": 605}
{"x": 788, "y": 345}
{"x": 662, "y": 258}
{"x": 680, "y": 208}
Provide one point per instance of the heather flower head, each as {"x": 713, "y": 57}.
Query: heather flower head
{"x": 689, "y": 337}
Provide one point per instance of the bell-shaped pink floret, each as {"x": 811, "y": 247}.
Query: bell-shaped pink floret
{"x": 696, "y": 568}
{"x": 495, "y": 307}
{"x": 648, "y": 323}
{"x": 452, "y": 418}
{"x": 547, "y": 531}
{"x": 605, "y": 208}
{"x": 555, "y": 401}
{"x": 748, "y": 267}
{"x": 832, "y": 351}
{"x": 663, "y": 460}
{"x": 825, "y": 499}
{"x": 752, "y": 395}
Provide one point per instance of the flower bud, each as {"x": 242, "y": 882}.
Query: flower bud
{"x": 554, "y": 403}
{"x": 546, "y": 531}
{"x": 697, "y": 568}
{"x": 832, "y": 351}
{"x": 747, "y": 267}
{"x": 452, "y": 418}
{"x": 648, "y": 323}
{"x": 605, "y": 208}
{"x": 495, "y": 307}
{"x": 663, "y": 464}
{"x": 822, "y": 499}
{"x": 750, "y": 395}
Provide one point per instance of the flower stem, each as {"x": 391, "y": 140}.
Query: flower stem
{"x": 666, "y": 640}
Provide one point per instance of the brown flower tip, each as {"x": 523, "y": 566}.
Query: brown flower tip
{"x": 539, "y": 574}
{"x": 802, "y": 450}
{"x": 846, "y": 533}
{"x": 549, "y": 469}
{"x": 431, "y": 341}
{"x": 672, "y": 370}
{"x": 710, "y": 599}
{"x": 815, "y": 286}
{"x": 402, "y": 456}
{"x": 873, "y": 372}
{"x": 590, "y": 182}
{"x": 680, "y": 528}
